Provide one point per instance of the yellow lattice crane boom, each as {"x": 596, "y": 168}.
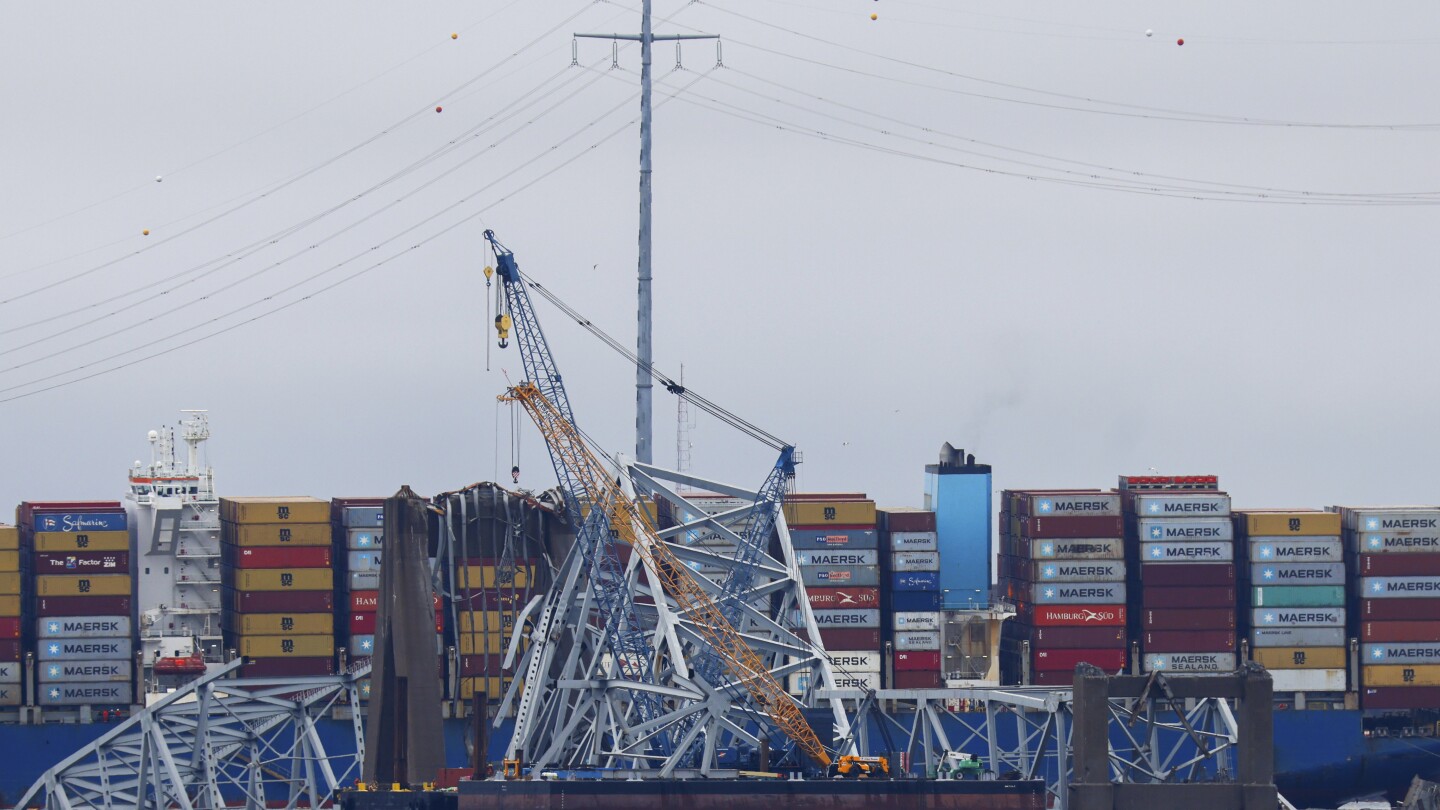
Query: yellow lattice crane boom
{"x": 635, "y": 527}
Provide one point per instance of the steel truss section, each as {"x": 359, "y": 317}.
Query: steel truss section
{"x": 216, "y": 742}
{"x": 573, "y": 707}
{"x": 1026, "y": 732}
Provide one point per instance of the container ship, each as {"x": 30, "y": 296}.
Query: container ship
{"x": 105, "y": 604}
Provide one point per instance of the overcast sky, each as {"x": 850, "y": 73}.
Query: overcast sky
{"x": 867, "y": 301}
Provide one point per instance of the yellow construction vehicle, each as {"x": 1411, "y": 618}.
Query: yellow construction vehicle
{"x": 853, "y": 767}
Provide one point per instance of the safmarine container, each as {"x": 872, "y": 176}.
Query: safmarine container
{"x": 1298, "y": 596}
{"x": 915, "y": 581}
{"x": 83, "y": 649}
{"x": 1309, "y": 549}
{"x": 836, "y": 557}
{"x": 1187, "y": 529}
{"x": 84, "y": 672}
{"x": 80, "y": 522}
{"x": 276, "y": 534}
{"x": 1297, "y": 637}
{"x": 83, "y": 627}
{"x": 85, "y": 694}
{"x": 81, "y": 541}
{"x": 1300, "y": 657}
{"x": 841, "y": 575}
{"x": 1217, "y": 551}
{"x": 81, "y": 562}
{"x": 1189, "y": 662}
{"x": 834, "y": 538}
{"x": 285, "y": 509}
{"x": 825, "y": 598}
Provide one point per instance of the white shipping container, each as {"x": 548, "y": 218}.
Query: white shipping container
{"x": 842, "y": 618}
{"x": 915, "y": 561}
{"x": 10, "y": 694}
{"x": 1175, "y": 504}
{"x": 83, "y": 627}
{"x": 1397, "y": 542}
{"x": 1190, "y": 662}
{"x": 1189, "y": 528}
{"x": 1307, "y": 680}
{"x": 917, "y": 640}
{"x": 847, "y": 661}
{"x": 1292, "y": 549}
{"x": 1399, "y": 587}
{"x": 856, "y": 556}
{"x": 9, "y": 672}
{"x": 914, "y": 541}
{"x": 362, "y": 539}
{"x": 1178, "y": 552}
{"x": 1394, "y": 519}
{"x": 926, "y": 620}
{"x": 85, "y": 694}
{"x": 365, "y": 580}
{"x": 796, "y": 684}
{"x": 364, "y": 560}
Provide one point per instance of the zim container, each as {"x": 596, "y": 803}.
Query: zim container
{"x": 293, "y": 509}
{"x": 1300, "y": 657}
{"x": 1189, "y": 662}
{"x": 280, "y": 601}
{"x": 1195, "y": 619}
{"x": 83, "y": 585}
{"x": 85, "y": 694}
{"x": 1163, "y": 575}
{"x": 278, "y": 557}
{"x": 1285, "y": 549}
{"x": 1073, "y": 615}
{"x": 310, "y": 646}
{"x": 287, "y": 667}
{"x": 81, "y": 562}
{"x": 81, "y": 541}
{"x": 824, "y": 598}
{"x": 1179, "y": 641}
{"x": 1298, "y": 596}
{"x": 1214, "y": 596}
{"x": 282, "y": 579}
{"x": 1110, "y": 660}
{"x": 1297, "y": 637}
{"x": 276, "y": 534}
{"x": 83, "y": 627}
{"x": 1427, "y": 632}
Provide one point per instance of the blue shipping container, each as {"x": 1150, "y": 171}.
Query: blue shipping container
{"x": 915, "y": 581}
{"x": 914, "y": 601}
{"x": 81, "y": 522}
{"x": 364, "y": 517}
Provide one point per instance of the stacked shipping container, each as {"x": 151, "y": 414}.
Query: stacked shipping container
{"x": 10, "y": 681}
{"x": 1180, "y": 543}
{"x": 837, "y": 547}
{"x": 911, "y": 596}
{"x": 357, "y": 536}
{"x": 1396, "y": 553}
{"x": 1062, "y": 566}
{"x": 1296, "y": 589}
{"x": 75, "y": 556}
{"x": 278, "y": 574}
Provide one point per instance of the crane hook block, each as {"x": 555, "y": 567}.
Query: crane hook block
{"x": 489, "y": 271}
{"x": 502, "y": 326}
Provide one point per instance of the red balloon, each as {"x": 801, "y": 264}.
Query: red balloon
{"x": 437, "y": 109}
{"x": 1180, "y": 41}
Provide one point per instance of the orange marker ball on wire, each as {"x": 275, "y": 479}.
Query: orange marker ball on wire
{"x": 874, "y": 16}
{"x": 454, "y": 36}
{"x": 145, "y": 232}
{"x": 1180, "y": 41}
{"x": 438, "y": 109}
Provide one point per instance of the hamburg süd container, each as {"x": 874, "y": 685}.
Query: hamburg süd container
{"x": 82, "y": 541}
{"x": 1298, "y": 596}
{"x": 824, "y": 598}
{"x": 1308, "y": 549}
{"x": 83, "y": 627}
{"x": 1073, "y": 615}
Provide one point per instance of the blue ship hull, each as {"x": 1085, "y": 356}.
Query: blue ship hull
{"x": 1321, "y": 757}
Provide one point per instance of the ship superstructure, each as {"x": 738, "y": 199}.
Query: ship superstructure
{"x": 175, "y": 520}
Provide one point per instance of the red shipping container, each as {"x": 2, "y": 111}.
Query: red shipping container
{"x": 1422, "y": 632}
{"x": 1060, "y": 677}
{"x": 1182, "y": 641}
{"x": 1111, "y": 660}
{"x": 10, "y": 649}
{"x": 1400, "y": 697}
{"x": 1072, "y": 615}
{"x": 480, "y": 665}
{"x": 843, "y": 597}
{"x": 1055, "y": 527}
{"x": 1186, "y": 575}
{"x": 1200, "y": 619}
{"x": 916, "y": 680}
{"x": 1215, "y": 596}
{"x": 850, "y": 639}
{"x": 1393, "y": 610}
{"x": 82, "y": 606}
{"x": 906, "y": 520}
{"x": 1077, "y": 638}
{"x": 362, "y": 624}
{"x": 281, "y": 601}
{"x": 917, "y": 660}
{"x": 9, "y": 627}
{"x": 369, "y": 601}
{"x": 279, "y": 557}
{"x": 286, "y": 667}
{"x": 83, "y": 562}
{"x": 1398, "y": 565}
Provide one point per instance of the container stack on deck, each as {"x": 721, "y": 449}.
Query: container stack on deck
{"x": 357, "y": 536}
{"x": 1062, "y": 566}
{"x": 279, "y": 584}
{"x": 81, "y": 623}
{"x": 911, "y": 594}
{"x": 1295, "y": 584}
{"x": 1397, "y": 597}
{"x": 1180, "y": 543}
{"x": 838, "y": 548}
{"x": 491, "y": 593}
{"x": 10, "y": 680}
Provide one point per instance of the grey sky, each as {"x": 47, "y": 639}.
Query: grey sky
{"x": 866, "y": 306}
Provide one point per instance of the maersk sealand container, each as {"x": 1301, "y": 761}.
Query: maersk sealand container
{"x": 958, "y": 491}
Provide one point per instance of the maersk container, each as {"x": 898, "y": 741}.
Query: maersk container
{"x": 1298, "y": 596}
{"x": 841, "y": 575}
{"x": 915, "y": 581}
{"x": 81, "y": 541}
{"x": 1082, "y": 548}
{"x": 836, "y": 539}
{"x": 1188, "y": 552}
{"x": 833, "y": 557}
{"x": 1310, "y": 549}
{"x": 1186, "y": 529}
{"x": 1298, "y": 573}
{"x": 363, "y": 644}
{"x": 914, "y": 541}
{"x": 364, "y": 561}
{"x": 363, "y": 517}
{"x": 1399, "y": 587}
{"x": 1180, "y": 504}
{"x": 1079, "y": 593}
{"x": 1397, "y": 542}
{"x": 1189, "y": 662}
{"x": 9, "y": 672}
{"x": 80, "y": 522}
{"x": 1076, "y": 571}
{"x": 1300, "y": 657}
{"x": 366, "y": 580}
{"x": 10, "y": 694}
{"x": 83, "y": 627}
{"x": 913, "y": 601}
{"x": 854, "y": 661}
{"x": 1401, "y": 653}
{"x": 1307, "y": 680}
{"x": 1068, "y": 504}
{"x": 1297, "y": 617}
{"x": 1297, "y": 637}
{"x": 1393, "y": 519}
{"x": 863, "y": 618}
{"x": 88, "y": 562}
{"x": 84, "y": 672}
{"x": 869, "y": 681}
{"x": 915, "y": 561}
{"x": 85, "y": 694}
{"x": 918, "y": 620}
{"x": 74, "y": 649}
{"x": 917, "y": 640}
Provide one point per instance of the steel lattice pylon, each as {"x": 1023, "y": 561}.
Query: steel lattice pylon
{"x": 215, "y": 742}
